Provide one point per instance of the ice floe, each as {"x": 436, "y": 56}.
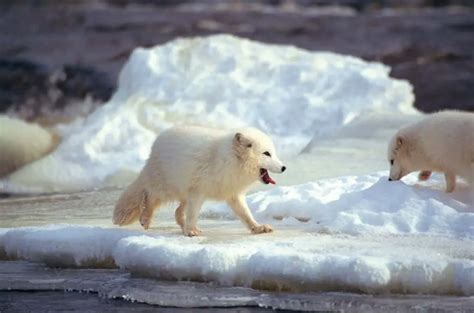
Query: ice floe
{"x": 296, "y": 262}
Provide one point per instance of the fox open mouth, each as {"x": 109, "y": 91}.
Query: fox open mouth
{"x": 265, "y": 178}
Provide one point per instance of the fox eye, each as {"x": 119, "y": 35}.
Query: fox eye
{"x": 391, "y": 162}
{"x": 267, "y": 154}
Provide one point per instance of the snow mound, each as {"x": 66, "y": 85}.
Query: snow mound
{"x": 367, "y": 204}
{"x": 222, "y": 81}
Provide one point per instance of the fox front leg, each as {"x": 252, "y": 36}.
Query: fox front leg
{"x": 241, "y": 209}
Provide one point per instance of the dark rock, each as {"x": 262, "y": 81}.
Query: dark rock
{"x": 32, "y": 89}
{"x": 21, "y": 80}
{"x": 80, "y": 82}
{"x": 443, "y": 84}
{"x": 78, "y": 50}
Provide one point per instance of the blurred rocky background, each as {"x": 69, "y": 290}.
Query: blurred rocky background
{"x": 62, "y": 58}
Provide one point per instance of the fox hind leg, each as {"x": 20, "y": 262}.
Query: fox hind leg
{"x": 192, "y": 208}
{"x": 180, "y": 215}
{"x": 147, "y": 208}
{"x": 450, "y": 182}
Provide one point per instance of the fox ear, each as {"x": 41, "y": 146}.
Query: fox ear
{"x": 400, "y": 141}
{"x": 242, "y": 140}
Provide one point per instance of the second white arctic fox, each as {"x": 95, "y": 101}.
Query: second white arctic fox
{"x": 442, "y": 142}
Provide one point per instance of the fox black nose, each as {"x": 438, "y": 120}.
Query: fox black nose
{"x": 283, "y": 168}
{"x": 389, "y": 179}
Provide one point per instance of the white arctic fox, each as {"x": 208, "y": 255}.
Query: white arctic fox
{"x": 192, "y": 164}
{"x": 442, "y": 142}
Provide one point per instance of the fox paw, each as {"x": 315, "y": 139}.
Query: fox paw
{"x": 119, "y": 220}
{"x": 193, "y": 232}
{"x": 261, "y": 229}
{"x": 145, "y": 221}
{"x": 424, "y": 175}
{"x": 449, "y": 189}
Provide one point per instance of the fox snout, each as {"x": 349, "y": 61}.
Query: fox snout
{"x": 277, "y": 168}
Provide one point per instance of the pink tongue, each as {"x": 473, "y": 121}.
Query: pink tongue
{"x": 267, "y": 179}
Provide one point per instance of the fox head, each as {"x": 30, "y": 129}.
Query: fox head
{"x": 258, "y": 154}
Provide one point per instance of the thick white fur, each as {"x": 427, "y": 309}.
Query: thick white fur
{"x": 22, "y": 143}
{"x": 442, "y": 142}
{"x": 193, "y": 164}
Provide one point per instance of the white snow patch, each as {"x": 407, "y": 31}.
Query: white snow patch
{"x": 65, "y": 245}
{"x": 367, "y": 204}
{"x": 295, "y": 95}
{"x": 297, "y": 264}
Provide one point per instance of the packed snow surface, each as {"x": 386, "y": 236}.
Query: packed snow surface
{"x": 361, "y": 233}
{"x": 297, "y": 96}
{"x": 368, "y": 204}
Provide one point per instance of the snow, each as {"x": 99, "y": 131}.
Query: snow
{"x": 295, "y": 95}
{"x": 304, "y": 262}
{"x": 359, "y": 233}
{"x": 297, "y": 264}
{"x": 368, "y": 204}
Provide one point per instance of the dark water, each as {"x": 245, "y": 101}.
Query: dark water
{"x": 33, "y": 287}
{"x": 59, "y": 301}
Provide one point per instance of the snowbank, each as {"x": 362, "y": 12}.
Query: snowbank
{"x": 367, "y": 204}
{"x": 360, "y": 234}
{"x": 297, "y": 264}
{"x": 295, "y": 95}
